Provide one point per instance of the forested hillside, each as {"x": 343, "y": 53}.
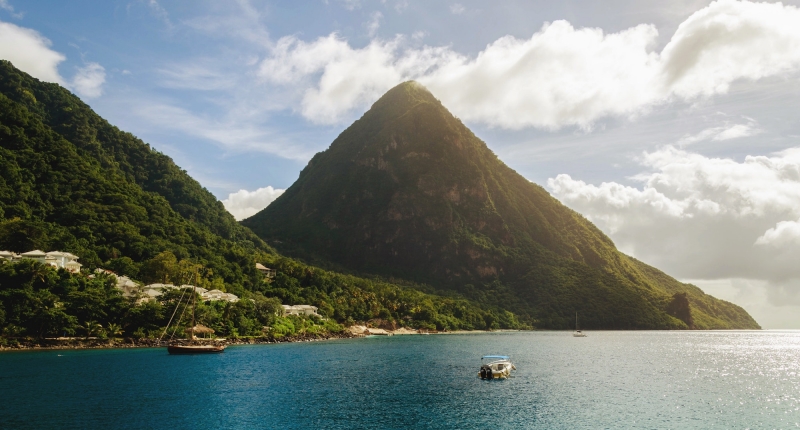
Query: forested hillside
{"x": 409, "y": 191}
{"x": 71, "y": 181}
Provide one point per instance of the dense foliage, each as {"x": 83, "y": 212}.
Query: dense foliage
{"x": 70, "y": 181}
{"x": 408, "y": 191}
{"x": 39, "y": 301}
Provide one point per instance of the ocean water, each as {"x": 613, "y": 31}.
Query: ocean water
{"x": 726, "y": 380}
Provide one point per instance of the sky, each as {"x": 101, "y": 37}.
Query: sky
{"x": 672, "y": 126}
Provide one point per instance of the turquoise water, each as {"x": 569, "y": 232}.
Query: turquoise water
{"x": 607, "y": 380}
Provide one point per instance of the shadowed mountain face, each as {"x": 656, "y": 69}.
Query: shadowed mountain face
{"x": 409, "y": 191}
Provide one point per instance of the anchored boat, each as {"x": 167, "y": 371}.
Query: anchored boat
{"x": 497, "y": 367}
{"x": 193, "y": 345}
{"x": 577, "y": 332}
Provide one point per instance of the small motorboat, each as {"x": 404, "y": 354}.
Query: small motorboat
{"x": 497, "y": 367}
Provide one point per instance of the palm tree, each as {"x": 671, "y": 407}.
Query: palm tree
{"x": 114, "y": 330}
{"x": 91, "y": 328}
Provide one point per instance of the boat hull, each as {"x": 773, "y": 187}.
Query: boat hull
{"x": 497, "y": 375}
{"x": 195, "y": 349}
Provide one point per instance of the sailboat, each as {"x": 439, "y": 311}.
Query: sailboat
{"x": 193, "y": 347}
{"x": 577, "y": 332}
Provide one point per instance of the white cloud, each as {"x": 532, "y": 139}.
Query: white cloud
{"x": 159, "y": 12}
{"x": 735, "y": 131}
{"x": 721, "y": 133}
{"x": 198, "y": 75}
{"x": 561, "y": 76}
{"x": 30, "y": 52}
{"x": 233, "y": 133}
{"x": 401, "y": 5}
{"x": 457, "y": 8}
{"x": 88, "y": 81}
{"x": 784, "y": 234}
{"x": 731, "y": 40}
{"x": 348, "y": 78}
{"x": 351, "y": 4}
{"x": 6, "y": 6}
{"x": 243, "y": 204}
{"x": 702, "y": 218}
{"x": 374, "y": 23}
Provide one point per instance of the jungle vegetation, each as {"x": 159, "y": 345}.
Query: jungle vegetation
{"x": 70, "y": 181}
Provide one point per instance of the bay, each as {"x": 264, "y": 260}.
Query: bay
{"x": 641, "y": 379}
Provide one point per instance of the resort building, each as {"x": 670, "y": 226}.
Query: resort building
{"x": 215, "y": 295}
{"x": 300, "y": 310}
{"x": 7, "y": 256}
{"x": 57, "y": 259}
{"x": 266, "y": 271}
{"x": 152, "y": 291}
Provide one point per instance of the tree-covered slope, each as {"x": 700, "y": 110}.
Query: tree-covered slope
{"x": 409, "y": 191}
{"x": 70, "y": 181}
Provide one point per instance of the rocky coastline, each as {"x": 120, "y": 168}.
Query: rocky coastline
{"x": 83, "y": 343}
{"x": 77, "y": 343}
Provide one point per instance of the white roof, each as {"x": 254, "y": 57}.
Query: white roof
{"x": 124, "y": 281}
{"x": 155, "y": 286}
{"x": 34, "y": 253}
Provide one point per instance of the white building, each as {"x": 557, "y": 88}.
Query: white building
{"x": 215, "y": 295}
{"x": 127, "y": 285}
{"x": 57, "y": 259}
{"x": 300, "y": 310}
{"x": 266, "y": 271}
{"x": 8, "y": 256}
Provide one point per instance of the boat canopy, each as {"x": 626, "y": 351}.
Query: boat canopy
{"x": 499, "y": 357}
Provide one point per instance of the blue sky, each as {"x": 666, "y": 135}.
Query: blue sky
{"x": 670, "y": 125}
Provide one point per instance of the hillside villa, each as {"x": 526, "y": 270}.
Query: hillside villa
{"x": 266, "y": 271}
{"x": 57, "y": 259}
{"x": 307, "y": 310}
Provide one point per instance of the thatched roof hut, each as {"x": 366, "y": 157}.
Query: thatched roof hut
{"x": 200, "y": 329}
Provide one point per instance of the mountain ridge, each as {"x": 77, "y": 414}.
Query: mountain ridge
{"x": 409, "y": 191}
{"x": 70, "y": 181}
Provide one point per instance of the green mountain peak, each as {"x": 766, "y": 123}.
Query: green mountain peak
{"x": 408, "y": 191}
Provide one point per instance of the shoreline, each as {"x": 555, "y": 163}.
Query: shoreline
{"x": 81, "y": 343}
{"x": 93, "y": 343}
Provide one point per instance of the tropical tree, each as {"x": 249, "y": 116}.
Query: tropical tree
{"x": 91, "y": 328}
{"x": 113, "y": 330}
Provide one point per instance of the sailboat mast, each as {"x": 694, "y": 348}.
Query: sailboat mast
{"x": 194, "y": 300}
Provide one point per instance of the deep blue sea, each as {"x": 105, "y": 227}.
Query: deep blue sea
{"x": 642, "y": 379}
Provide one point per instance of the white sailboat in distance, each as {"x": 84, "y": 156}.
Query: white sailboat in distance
{"x": 577, "y": 332}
